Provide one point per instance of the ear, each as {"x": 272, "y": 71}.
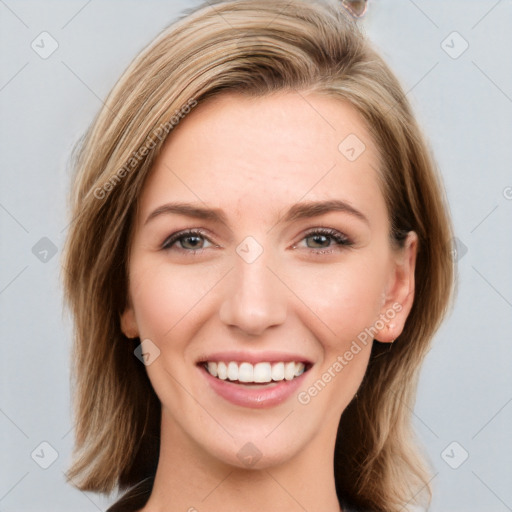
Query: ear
{"x": 398, "y": 297}
{"x": 129, "y": 323}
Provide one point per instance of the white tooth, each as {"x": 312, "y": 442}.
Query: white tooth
{"x": 299, "y": 369}
{"x": 222, "y": 371}
{"x": 212, "y": 368}
{"x": 278, "y": 371}
{"x": 245, "y": 372}
{"x": 262, "y": 372}
{"x": 289, "y": 370}
{"x": 232, "y": 371}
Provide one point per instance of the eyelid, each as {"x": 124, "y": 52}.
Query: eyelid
{"x": 171, "y": 240}
{"x": 327, "y": 231}
{"x": 340, "y": 239}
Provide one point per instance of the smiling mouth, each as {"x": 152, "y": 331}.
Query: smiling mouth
{"x": 259, "y": 373}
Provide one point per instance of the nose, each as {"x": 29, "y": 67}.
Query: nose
{"x": 254, "y": 298}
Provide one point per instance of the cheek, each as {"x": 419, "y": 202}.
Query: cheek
{"x": 345, "y": 300}
{"x": 168, "y": 304}
{"x": 166, "y": 299}
{"x": 345, "y": 297}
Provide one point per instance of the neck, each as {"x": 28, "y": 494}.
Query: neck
{"x": 188, "y": 479}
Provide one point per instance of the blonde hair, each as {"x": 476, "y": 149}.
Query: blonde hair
{"x": 253, "y": 47}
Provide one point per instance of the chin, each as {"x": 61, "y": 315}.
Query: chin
{"x": 260, "y": 453}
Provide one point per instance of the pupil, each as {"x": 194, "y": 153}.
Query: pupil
{"x": 320, "y": 239}
{"x": 193, "y": 241}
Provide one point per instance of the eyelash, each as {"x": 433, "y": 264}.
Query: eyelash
{"x": 176, "y": 237}
{"x": 339, "y": 238}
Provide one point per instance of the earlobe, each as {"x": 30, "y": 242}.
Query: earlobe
{"x": 399, "y": 297}
{"x": 129, "y": 324}
{"x": 389, "y": 333}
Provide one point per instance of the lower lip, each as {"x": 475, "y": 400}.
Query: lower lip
{"x": 256, "y": 398}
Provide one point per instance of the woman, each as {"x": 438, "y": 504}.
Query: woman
{"x": 259, "y": 258}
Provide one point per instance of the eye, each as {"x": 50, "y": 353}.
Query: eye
{"x": 321, "y": 239}
{"x": 190, "y": 241}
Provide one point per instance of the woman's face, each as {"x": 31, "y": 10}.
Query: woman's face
{"x": 261, "y": 251}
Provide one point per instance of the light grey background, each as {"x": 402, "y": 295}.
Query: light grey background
{"x": 465, "y": 107}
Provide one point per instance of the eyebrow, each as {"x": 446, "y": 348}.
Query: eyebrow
{"x": 298, "y": 211}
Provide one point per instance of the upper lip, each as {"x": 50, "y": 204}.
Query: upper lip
{"x": 254, "y": 357}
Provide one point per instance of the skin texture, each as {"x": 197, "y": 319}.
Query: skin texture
{"x": 254, "y": 158}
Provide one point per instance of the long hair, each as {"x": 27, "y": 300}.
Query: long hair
{"x": 253, "y": 47}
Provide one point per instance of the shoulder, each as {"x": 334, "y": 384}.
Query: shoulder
{"x": 135, "y": 498}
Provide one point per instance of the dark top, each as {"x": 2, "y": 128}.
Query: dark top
{"x": 138, "y": 496}
{"x": 135, "y": 498}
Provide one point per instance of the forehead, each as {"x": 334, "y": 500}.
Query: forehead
{"x": 238, "y": 152}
